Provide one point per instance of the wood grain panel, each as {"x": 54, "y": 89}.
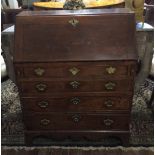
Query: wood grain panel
{"x": 82, "y": 69}
{"x": 76, "y": 121}
{"x": 28, "y": 88}
{"x": 76, "y": 104}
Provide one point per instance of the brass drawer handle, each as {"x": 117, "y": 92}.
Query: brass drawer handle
{"x": 45, "y": 122}
{"x": 76, "y": 118}
{"x": 74, "y": 84}
{"x": 108, "y": 122}
{"x": 73, "y": 22}
{"x": 39, "y": 71}
{"x": 110, "y": 86}
{"x": 41, "y": 87}
{"x": 74, "y": 70}
{"x": 75, "y": 100}
{"x": 20, "y": 72}
{"x": 108, "y": 103}
{"x": 43, "y": 104}
{"x": 111, "y": 70}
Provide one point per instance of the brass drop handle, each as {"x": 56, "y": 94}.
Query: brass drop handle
{"x": 108, "y": 122}
{"x": 20, "y": 72}
{"x": 45, "y": 122}
{"x": 41, "y": 87}
{"x": 110, "y": 86}
{"x": 74, "y": 71}
{"x": 76, "y": 118}
{"x": 43, "y": 104}
{"x": 74, "y": 84}
{"x": 75, "y": 100}
{"x": 110, "y": 70}
{"x": 39, "y": 71}
{"x": 108, "y": 103}
{"x": 74, "y": 22}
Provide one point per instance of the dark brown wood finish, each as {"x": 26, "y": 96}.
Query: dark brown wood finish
{"x": 77, "y": 104}
{"x": 85, "y": 135}
{"x": 75, "y": 72}
{"x": 76, "y": 121}
{"x": 60, "y": 41}
{"x": 84, "y": 69}
{"x": 29, "y": 88}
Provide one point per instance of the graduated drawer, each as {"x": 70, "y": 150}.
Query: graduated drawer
{"x": 76, "y": 121}
{"x": 76, "y": 104}
{"x": 75, "y": 69}
{"x": 29, "y": 88}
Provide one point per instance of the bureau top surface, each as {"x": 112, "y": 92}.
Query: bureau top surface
{"x": 81, "y": 35}
{"x": 76, "y": 12}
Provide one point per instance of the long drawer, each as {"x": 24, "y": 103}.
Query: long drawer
{"x": 75, "y": 69}
{"x": 29, "y": 88}
{"x": 76, "y": 121}
{"x": 76, "y": 103}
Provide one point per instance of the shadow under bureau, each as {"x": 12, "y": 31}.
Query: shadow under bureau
{"x": 75, "y": 73}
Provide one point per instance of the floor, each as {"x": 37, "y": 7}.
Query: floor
{"x": 77, "y": 151}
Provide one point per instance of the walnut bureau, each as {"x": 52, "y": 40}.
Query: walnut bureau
{"x": 75, "y": 73}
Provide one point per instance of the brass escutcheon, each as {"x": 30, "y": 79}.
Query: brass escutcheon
{"x": 43, "y": 104}
{"x": 108, "y": 122}
{"x": 108, "y": 103}
{"x": 74, "y": 84}
{"x": 74, "y": 70}
{"x": 41, "y": 87}
{"x": 111, "y": 70}
{"x": 74, "y": 22}
{"x": 110, "y": 86}
{"x": 75, "y": 100}
{"x": 45, "y": 122}
{"x": 76, "y": 118}
{"x": 39, "y": 71}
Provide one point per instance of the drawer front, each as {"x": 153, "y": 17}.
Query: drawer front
{"x": 71, "y": 70}
{"x": 76, "y": 104}
{"x": 48, "y": 87}
{"x": 76, "y": 122}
